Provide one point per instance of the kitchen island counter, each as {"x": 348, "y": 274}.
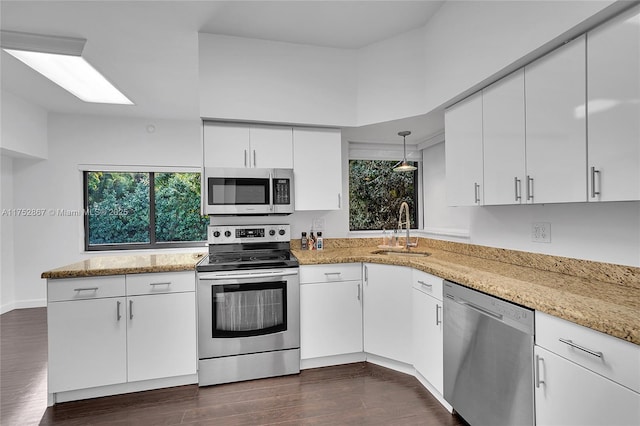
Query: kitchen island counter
{"x": 609, "y": 303}
{"x": 127, "y": 264}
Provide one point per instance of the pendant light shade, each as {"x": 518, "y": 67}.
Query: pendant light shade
{"x": 404, "y": 165}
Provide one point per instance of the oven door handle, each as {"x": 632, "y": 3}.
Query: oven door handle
{"x": 217, "y": 276}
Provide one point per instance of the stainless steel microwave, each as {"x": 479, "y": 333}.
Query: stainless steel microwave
{"x": 248, "y": 191}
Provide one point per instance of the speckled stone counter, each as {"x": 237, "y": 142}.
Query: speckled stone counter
{"x": 127, "y": 264}
{"x": 600, "y": 296}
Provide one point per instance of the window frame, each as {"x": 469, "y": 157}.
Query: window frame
{"x": 153, "y": 243}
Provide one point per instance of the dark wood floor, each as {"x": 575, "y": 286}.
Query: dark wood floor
{"x": 358, "y": 394}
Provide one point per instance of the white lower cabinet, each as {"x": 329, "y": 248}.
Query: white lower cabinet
{"x": 161, "y": 336}
{"x": 109, "y": 331}
{"x": 568, "y": 394}
{"x": 87, "y": 343}
{"x": 387, "y": 312}
{"x": 427, "y": 328}
{"x": 584, "y": 377}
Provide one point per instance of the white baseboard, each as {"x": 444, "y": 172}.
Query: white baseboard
{"x": 392, "y": 364}
{"x": 326, "y": 361}
{"x": 433, "y": 391}
{"x": 23, "y": 304}
{"x": 54, "y": 398}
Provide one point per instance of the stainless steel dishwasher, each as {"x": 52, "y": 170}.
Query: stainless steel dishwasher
{"x": 488, "y": 358}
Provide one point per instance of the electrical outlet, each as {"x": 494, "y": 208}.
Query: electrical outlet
{"x": 318, "y": 224}
{"x": 541, "y": 232}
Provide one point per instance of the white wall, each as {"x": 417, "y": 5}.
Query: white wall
{"x": 7, "y": 278}
{"x": 604, "y": 232}
{"x": 24, "y": 127}
{"x": 257, "y": 80}
{"x": 466, "y": 42}
{"x": 391, "y": 78}
{"x": 43, "y": 243}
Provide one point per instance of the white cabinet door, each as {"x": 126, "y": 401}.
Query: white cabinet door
{"x": 330, "y": 318}
{"x": 387, "y": 312}
{"x": 317, "y": 165}
{"x": 226, "y": 145}
{"x": 567, "y": 394}
{"x": 555, "y": 126}
{"x": 463, "y": 152}
{"x": 161, "y": 336}
{"x": 428, "y": 339}
{"x": 503, "y": 140}
{"x": 613, "y": 87}
{"x": 271, "y": 147}
{"x": 87, "y": 343}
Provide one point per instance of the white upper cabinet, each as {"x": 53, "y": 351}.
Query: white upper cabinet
{"x": 556, "y": 143}
{"x": 317, "y": 159}
{"x": 613, "y": 89}
{"x": 504, "y": 140}
{"x": 463, "y": 152}
{"x": 228, "y": 145}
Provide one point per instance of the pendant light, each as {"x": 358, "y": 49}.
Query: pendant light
{"x": 404, "y": 166}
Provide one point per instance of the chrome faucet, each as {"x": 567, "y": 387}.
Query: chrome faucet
{"x": 407, "y": 223}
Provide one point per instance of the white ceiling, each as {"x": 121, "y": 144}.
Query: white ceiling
{"x": 149, "y": 49}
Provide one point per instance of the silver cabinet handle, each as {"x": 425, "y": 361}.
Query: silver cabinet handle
{"x": 538, "y": 381}
{"x": 582, "y": 348}
{"x": 518, "y": 188}
{"x": 358, "y": 291}
{"x": 366, "y": 274}
{"x": 333, "y": 273}
{"x": 245, "y": 158}
{"x": 166, "y": 283}
{"x": 438, "y": 320}
{"x": 130, "y": 309}
{"x": 425, "y": 284}
{"x": 118, "y": 310}
{"x": 594, "y": 172}
{"x": 476, "y": 192}
{"x": 254, "y": 158}
{"x": 529, "y": 188}
{"x": 86, "y": 289}
{"x": 339, "y": 200}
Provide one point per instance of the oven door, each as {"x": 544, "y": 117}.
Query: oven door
{"x": 242, "y": 312}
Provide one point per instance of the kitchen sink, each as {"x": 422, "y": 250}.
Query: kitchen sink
{"x": 401, "y": 253}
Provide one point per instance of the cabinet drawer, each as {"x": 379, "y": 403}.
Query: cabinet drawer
{"x": 606, "y": 355}
{"x": 85, "y": 288}
{"x": 161, "y": 282}
{"x": 428, "y": 284}
{"x": 331, "y": 272}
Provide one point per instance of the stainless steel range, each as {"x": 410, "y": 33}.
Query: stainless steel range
{"x": 248, "y": 305}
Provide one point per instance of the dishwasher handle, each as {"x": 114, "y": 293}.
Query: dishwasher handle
{"x": 480, "y": 309}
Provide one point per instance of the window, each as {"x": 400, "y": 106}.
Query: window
{"x": 376, "y": 193}
{"x": 133, "y": 210}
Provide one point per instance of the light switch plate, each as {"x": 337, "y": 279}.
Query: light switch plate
{"x": 541, "y": 232}
{"x": 318, "y": 225}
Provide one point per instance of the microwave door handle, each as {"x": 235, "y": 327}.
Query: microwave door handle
{"x": 271, "y": 189}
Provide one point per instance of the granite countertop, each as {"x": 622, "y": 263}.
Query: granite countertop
{"x": 127, "y": 264}
{"x": 610, "y": 307}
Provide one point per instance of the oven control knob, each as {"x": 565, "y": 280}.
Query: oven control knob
{"x": 272, "y": 232}
{"x": 227, "y": 234}
{"x": 216, "y": 234}
{"x": 281, "y": 232}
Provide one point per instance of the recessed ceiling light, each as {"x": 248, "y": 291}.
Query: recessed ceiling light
{"x": 59, "y": 59}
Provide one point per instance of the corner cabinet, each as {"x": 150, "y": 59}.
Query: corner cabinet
{"x": 556, "y": 126}
{"x": 317, "y": 166}
{"x": 463, "y": 152}
{"x": 613, "y": 87}
{"x": 120, "y": 330}
{"x": 387, "y": 312}
{"x": 583, "y": 377}
{"x": 241, "y": 145}
{"x": 330, "y": 310}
